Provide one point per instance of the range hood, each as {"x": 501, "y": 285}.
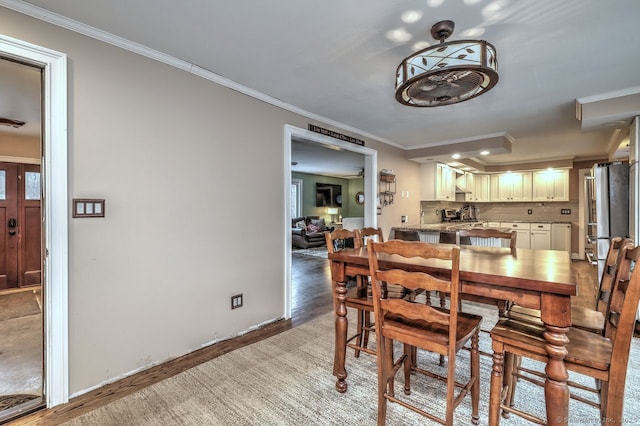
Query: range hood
{"x": 461, "y": 185}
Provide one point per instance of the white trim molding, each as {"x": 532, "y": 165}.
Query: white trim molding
{"x": 55, "y": 196}
{"x": 81, "y": 28}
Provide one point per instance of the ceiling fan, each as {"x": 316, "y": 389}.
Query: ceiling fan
{"x": 11, "y": 123}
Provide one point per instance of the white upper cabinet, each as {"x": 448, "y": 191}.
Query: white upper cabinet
{"x": 479, "y": 187}
{"x": 511, "y": 186}
{"x": 551, "y": 185}
{"x": 437, "y": 182}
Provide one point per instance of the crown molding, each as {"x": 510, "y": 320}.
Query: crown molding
{"x": 84, "y": 29}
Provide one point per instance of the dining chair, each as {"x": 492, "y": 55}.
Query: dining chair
{"x": 368, "y": 326}
{"x": 581, "y": 316}
{"x": 417, "y": 325}
{"x": 603, "y": 357}
{"x": 370, "y": 232}
{"x": 358, "y": 297}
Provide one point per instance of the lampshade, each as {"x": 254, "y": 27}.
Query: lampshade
{"x": 332, "y": 210}
{"x": 446, "y": 73}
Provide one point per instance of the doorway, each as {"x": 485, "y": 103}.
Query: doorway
{"x": 370, "y": 196}
{"x": 54, "y": 210}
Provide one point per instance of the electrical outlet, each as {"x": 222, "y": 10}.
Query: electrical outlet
{"x": 236, "y": 301}
{"x": 530, "y": 211}
{"x": 565, "y": 211}
{"x": 403, "y": 219}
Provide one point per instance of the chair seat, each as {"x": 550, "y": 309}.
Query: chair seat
{"x": 581, "y": 317}
{"x": 416, "y": 332}
{"x": 585, "y": 349}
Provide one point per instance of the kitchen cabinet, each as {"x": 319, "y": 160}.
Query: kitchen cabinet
{"x": 511, "y": 186}
{"x": 550, "y": 185}
{"x": 479, "y": 187}
{"x": 561, "y": 236}
{"x": 540, "y": 237}
{"x": 437, "y": 182}
{"x": 523, "y": 230}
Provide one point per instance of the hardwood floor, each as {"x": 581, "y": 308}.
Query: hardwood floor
{"x": 311, "y": 297}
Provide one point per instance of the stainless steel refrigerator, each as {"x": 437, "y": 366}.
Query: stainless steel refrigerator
{"x": 607, "y": 195}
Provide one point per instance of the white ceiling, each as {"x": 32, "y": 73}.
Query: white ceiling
{"x": 336, "y": 59}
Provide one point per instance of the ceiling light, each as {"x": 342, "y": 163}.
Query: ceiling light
{"x": 485, "y": 152}
{"x": 455, "y": 156}
{"x": 446, "y": 73}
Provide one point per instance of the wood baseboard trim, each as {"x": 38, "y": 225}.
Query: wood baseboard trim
{"x": 99, "y": 397}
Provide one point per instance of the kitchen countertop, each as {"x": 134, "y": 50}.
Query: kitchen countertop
{"x": 453, "y": 226}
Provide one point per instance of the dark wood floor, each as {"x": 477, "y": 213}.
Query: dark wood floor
{"x": 311, "y": 297}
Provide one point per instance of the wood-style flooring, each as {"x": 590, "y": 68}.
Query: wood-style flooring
{"x": 311, "y": 297}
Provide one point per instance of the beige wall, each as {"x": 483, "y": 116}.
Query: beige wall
{"x": 177, "y": 159}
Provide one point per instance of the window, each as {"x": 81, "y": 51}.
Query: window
{"x": 296, "y": 197}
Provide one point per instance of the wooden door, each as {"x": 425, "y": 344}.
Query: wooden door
{"x": 20, "y": 225}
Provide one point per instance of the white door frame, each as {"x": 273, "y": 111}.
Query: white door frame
{"x": 370, "y": 173}
{"x": 55, "y": 281}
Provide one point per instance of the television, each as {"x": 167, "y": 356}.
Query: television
{"x": 328, "y": 195}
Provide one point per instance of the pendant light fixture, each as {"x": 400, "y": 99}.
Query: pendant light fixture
{"x": 447, "y": 73}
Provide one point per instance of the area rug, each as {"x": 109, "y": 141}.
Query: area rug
{"x": 320, "y": 252}
{"x": 287, "y": 380}
{"x": 19, "y": 304}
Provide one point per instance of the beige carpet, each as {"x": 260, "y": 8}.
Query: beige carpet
{"x": 287, "y": 380}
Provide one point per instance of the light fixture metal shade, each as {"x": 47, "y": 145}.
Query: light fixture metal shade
{"x": 447, "y": 73}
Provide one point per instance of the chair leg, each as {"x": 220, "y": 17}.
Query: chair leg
{"x": 367, "y": 328}
{"x": 475, "y": 373}
{"x": 382, "y": 385}
{"x": 389, "y": 366}
{"x": 359, "y": 336}
{"x": 511, "y": 364}
{"x": 407, "y": 364}
{"x": 495, "y": 391}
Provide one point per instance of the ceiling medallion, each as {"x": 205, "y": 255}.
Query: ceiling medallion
{"x": 446, "y": 73}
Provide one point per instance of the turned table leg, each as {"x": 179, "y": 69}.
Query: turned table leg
{"x": 556, "y": 390}
{"x": 341, "y": 337}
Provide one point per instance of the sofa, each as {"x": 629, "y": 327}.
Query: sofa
{"x": 308, "y": 231}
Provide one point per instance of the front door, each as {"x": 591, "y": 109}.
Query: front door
{"x": 20, "y": 225}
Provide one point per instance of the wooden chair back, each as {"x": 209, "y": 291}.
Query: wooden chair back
{"x": 406, "y": 235}
{"x": 342, "y": 238}
{"x": 415, "y": 281}
{"x": 609, "y": 272}
{"x": 368, "y": 233}
{"x": 620, "y": 323}
{"x": 510, "y": 236}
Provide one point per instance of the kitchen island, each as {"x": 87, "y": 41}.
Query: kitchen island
{"x": 431, "y": 232}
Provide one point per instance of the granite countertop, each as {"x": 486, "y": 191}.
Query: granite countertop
{"x": 453, "y": 226}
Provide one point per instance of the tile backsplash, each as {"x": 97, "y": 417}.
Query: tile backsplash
{"x": 506, "y": 211}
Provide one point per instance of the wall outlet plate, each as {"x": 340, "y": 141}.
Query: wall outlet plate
{"x": 565, "y": 211}
{"x": 530, "y": 211}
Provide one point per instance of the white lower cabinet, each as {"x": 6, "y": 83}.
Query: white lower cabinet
{"x": 432, "y": 237}
{"x": 540, "y": 236}
{"x": 523, "y": 230}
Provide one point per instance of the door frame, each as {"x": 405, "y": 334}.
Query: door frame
{"x": 55, "y": 281}
{"x": 370, "y": 199}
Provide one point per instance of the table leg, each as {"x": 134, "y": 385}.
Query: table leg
{"x": 556, "y": 390}
{"x": 341, "y": 337}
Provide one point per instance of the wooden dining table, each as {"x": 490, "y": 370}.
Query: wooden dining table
{"x": 539, "y": 279}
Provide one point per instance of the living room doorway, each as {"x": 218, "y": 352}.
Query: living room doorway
{"x": 370, "y": 196}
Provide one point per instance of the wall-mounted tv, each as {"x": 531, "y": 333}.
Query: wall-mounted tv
{"x": 328, "y": 195}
